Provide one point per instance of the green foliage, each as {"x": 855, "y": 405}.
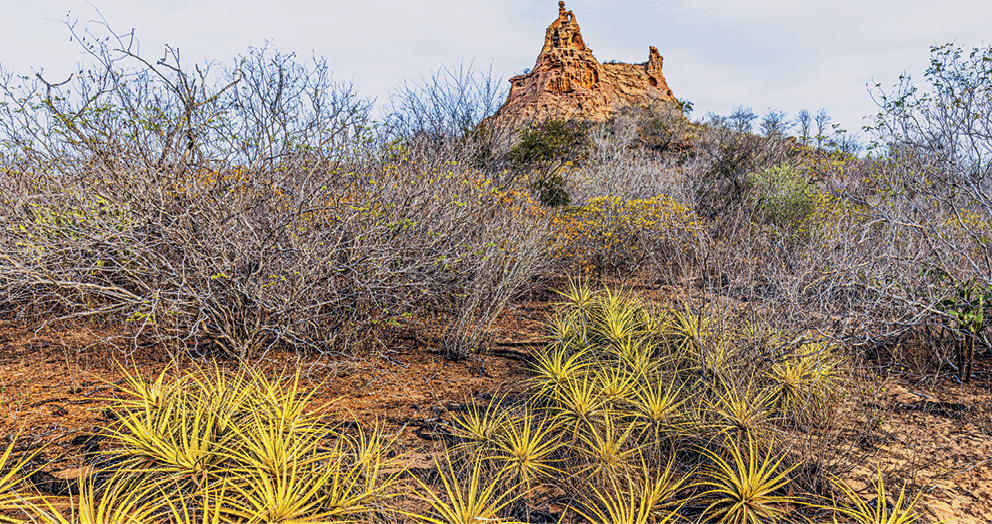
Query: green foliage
{"x": 785, "y": 199}
{"x": 723, "y": 187}
{"x": 546, "y": 143}
{"x": 551, "y": 190}
{"x": 542, "y": 154}
{"x": 967, "y": 303}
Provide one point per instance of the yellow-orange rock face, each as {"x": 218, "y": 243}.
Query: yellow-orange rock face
{"x": 567, "y": 81}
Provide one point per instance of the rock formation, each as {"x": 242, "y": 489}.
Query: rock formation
{"x": 567, "y": 81}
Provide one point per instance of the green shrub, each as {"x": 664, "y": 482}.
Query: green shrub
{"x": 785, "y": 199}
{"x": 542, "y": 155}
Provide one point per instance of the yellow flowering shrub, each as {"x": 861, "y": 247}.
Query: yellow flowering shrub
{"x": 620, "y": 235}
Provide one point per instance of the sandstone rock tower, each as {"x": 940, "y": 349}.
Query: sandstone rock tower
{"x": 567, "y": 81}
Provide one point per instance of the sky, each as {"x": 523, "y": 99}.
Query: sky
{"x": 719, "y": 54}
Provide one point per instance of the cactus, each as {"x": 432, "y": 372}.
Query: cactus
{"x": 967, "y": 305}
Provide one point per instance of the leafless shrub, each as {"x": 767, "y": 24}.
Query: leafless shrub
{"x": 450, "y": 115}
{"x": 476, "y": 246}
{"x": 240, "y": 207}
{"x": 626, "y": 157}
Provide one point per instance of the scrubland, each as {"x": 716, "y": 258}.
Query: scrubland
{"x": 728, "y": 319}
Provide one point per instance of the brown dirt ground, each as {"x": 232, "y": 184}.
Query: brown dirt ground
{"x": 935, "y": 435}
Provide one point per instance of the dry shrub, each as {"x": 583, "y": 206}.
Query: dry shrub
{"x": 618, "y": 236}
{"x": 478, "y": 245}
{"x": 242, "y": 209}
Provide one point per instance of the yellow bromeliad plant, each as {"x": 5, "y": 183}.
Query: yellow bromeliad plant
{"x": 12, "y": 477}
{"x": 804, "y": 381}
{"x": 466, "y": 497}
{"x": 240, "y": 446}
{"x": 745, "y": 487}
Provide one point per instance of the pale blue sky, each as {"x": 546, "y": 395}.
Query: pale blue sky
{"x": 718, "y": 53}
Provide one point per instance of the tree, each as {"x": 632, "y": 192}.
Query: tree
{"x": 775, "y": 123}
{"x": 742, "y": 119}
{"x": 451, "y": 114}
{"x": 936, "y": 149}
{"x": 803, "y": 120}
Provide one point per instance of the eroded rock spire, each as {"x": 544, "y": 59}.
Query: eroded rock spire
{"x": 567, "y": 81}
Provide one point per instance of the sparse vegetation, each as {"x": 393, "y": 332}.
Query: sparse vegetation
{"x": 729, "y": 303}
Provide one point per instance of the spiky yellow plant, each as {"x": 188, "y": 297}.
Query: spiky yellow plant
{"x": 878, "y": 511}
{"x": 282, "y": 400}
{"x": 380, "y": 469}
{"x": 616, "y": 318}
{"x": 229, "y": 397}
{"x": 579, "y": 296}
{"x": 525, "y": 451}
{"x": 555, "y": 365}
{"x": 578, "y": 404}
{"x": 182, "y": 426}
{"x": 758, "y": 334}
{"x": 567, "y": 329}
{"x": 686, "y": 332}
{"x": 744, "y": 489}
{"x": 661, "y": 494}
{"x": 803, "y": 383}
{"x": 607, "y": 447}
{"x": 479, "y": 425}
{"x": 739, "y": 411}
{"x": 268, "y": 445}
{"x": 312, "y": 487}
{"x": 145, "y": 395}
{"x": 616, "y": 384}
{"x": 121, "y": 500}
{"x": 12, "y": 475}
{"x": 716, "y": 359}
{"x": 652, "y": 320}
{"x": 182, "y": 436}
{"x": 257, "y": 438}
{"x": 375, "y": 452}
{"x": 203, "y": 507}
{"x": 618, "y": 300}
{"x": 634, "y": 497}
{"x": 637, "y": 355}
{"x": 470, "y": 500}
{"x": 659, "y": 408}
{"x": 307, "y": 483}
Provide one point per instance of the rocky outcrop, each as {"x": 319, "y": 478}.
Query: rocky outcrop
{"x": 567, "y": 81}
